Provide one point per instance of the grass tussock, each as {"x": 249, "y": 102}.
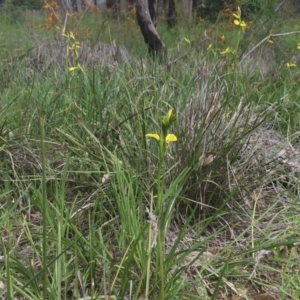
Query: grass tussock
{"x": 90, "y": 207}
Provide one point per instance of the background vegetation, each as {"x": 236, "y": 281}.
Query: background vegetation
{"x": 90, "y": 208}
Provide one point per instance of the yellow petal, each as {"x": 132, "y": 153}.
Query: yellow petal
{"x": 71, "y": 69}
{"x": 72, "y": 35}
{"x": 153, "y": 135}
{"x": 171, "y": 138}
{"x": 225, "y": 51}
{"x": 170, "y": 111}
{"x": 236, "y": 22}
{"x": 290, "y": 65}
{"x": 236, "y": 16}
{"x": 187, "y": 40}
{"x": 243, "y": 24}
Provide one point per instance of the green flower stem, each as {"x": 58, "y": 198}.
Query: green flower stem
{"x": 160, "y": 243}
{"x": 149, "y": 253}
{"x": 164, "y": 138}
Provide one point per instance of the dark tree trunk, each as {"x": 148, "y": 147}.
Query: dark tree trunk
{"x": 131, "y": 4}
{"x": 171, "y": 16}
{"x": 111, "y": 3}
{"x": 152, "y": 5}
{"x": 155, "y": 45}
{"x": 73, "y": 5}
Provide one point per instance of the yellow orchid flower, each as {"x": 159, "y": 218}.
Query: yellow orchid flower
{"x": 242, "y": 24}
{"x": 290, "y": 65}
{"x": 238, "y": 21}
{"x": 72, "y": 36}
{"x": 238, "y": 14}
{"x": 169, "y": 119}
{"x": 170, "y": 114}
{"x": 71, "y": 69}
{"x": 227, "y": 50}
{"x": 165, "y": 138}
{"x": 75, "y": 46}
{"x": 169, "y": 138}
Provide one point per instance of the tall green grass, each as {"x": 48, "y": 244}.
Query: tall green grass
{"x": 79, "y": 176}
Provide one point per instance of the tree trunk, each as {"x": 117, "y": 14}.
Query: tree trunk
{"x": 123, "y": 6}
{"x": 152, "y": 5}
{"x": 171, "y": 15}
{"x": 110, "y": 3}
{"x": 189, "y": 9}
{"x": 68, "y": 5}
{"x": 155, "y": 45}
{"x": 78, "y": 5}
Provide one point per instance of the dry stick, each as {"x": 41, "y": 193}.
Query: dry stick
{"x": 280, "y": 4}
{"x": 65, "y": 23}
{"x": 265, "y": 39}
{"x": 241, "y": 55}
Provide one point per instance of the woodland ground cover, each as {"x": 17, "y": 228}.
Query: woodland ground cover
{"x": 90, "y": 206}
